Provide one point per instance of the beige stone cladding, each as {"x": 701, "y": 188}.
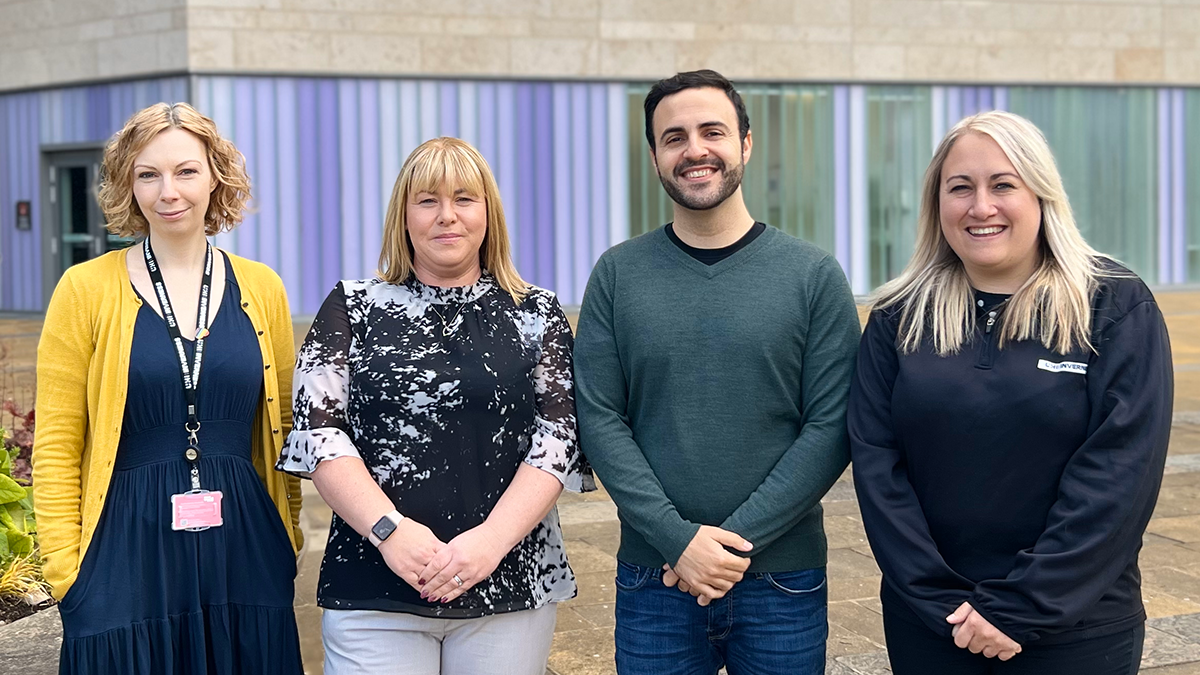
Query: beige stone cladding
{"x": 62, "y": 41}
{"x": 927, "y": 41}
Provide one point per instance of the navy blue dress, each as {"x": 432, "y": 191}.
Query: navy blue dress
{"x": 153, "y": 601}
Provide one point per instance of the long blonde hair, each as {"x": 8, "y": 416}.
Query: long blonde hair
{"x": 1053, "y": 305}
{"x": 426, "y": 169}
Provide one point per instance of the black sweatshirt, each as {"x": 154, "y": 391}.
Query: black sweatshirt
{"x": 1018, "y": 479}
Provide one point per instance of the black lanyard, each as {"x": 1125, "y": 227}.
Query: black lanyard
{"x": 191, "y": 376}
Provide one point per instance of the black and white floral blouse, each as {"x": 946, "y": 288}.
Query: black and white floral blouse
{"x": 443, "y": 393}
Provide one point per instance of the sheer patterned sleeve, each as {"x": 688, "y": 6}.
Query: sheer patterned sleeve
{"x": 554, "y": 447}
{"x": 320, "y": 392}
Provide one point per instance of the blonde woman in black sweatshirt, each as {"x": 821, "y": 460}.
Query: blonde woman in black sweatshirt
{"x": 1009, "y": 422}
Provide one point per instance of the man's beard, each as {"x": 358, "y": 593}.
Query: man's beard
{"x": 730, "y": 181}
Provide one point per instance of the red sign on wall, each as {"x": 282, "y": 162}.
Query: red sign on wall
{"x": 24, "y": 220}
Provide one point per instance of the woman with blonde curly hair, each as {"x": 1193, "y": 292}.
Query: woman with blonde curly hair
{"x": 1008, "y": 425}
{"x": 168, "y": 538}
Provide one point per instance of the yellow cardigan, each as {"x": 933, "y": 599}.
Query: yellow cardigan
{"x": 82, "y": 381}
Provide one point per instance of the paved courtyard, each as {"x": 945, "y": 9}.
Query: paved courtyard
{"x": 1170, "y": 559}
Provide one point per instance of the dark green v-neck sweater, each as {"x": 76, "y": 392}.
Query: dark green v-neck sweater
{"x": 716, "y": 395}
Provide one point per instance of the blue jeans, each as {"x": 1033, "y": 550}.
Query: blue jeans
{"x": 768, "y": 623}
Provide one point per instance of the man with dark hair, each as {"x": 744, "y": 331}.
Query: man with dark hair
{"x": 713, "y": 362}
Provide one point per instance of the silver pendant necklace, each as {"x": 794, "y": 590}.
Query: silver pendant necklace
{"x": 448, "y": 327}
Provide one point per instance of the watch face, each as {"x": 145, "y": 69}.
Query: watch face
{"x": 384, "y": 528}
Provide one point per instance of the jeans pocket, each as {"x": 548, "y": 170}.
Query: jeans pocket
{"x": 797, "y": 583}
{"x": 632, "y": 577}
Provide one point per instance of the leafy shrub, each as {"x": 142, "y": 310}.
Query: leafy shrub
{"x": 17, "y": 526}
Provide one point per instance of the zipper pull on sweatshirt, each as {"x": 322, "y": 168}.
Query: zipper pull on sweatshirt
{"x": 990, "y": 322}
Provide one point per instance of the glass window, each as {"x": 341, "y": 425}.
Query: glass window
{"x": 789, "y": 181}
{"x": 1105, "y": 140}
{"x": 899, "y": 125}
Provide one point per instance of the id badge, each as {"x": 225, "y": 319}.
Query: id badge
{"x": 196, "y": 510}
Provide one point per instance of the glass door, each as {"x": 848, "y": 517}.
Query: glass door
{"x": 74, "y": 229}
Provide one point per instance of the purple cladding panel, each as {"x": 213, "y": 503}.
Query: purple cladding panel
{"x": 598, "y": 157}
{"x": 369, "y": 170}
{"x": 485, "y": 100}
{"x": 8, "y": 145}
{"x": 328, "y": 184}
{"x": 287, "y": 143}
{"x": 313, "y": 285}
{"x": 99, "y": 117}
{"x": 579, "y": 256}
{"x": 30, "y": 248}
{"x": 246, "y": 234}
{"x": 448, "y": 109}
{"x": 266, "y": 172}
{"x": 351, "y": 213}
{"x": 526, "y": 184}
{"x": 543, "y": 171}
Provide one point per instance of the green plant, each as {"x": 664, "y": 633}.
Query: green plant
{"x": 21, "y": 440}
{"x": 18, "y": 529}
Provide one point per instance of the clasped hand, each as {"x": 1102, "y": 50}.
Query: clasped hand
{"x": 973, "y": 632}
{"x": 706, "y": 569}
{"x": 430, "y": 566}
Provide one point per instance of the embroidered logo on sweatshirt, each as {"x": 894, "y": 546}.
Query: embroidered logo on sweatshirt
{"x": 1064, "y": 367}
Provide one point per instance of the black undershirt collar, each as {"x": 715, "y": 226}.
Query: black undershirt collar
{"x": 712, "y": 256}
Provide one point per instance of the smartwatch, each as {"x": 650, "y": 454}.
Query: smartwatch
{"x": 384, "y": 528}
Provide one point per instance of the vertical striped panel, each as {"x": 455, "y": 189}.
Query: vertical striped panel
{"x": 859, "y": 234}
{"x": 562, "y": 118}
{"x": 577, "y": 261}
{"x": 1178, "y": 189}
{"x": 506, "y": 162}
{"x": 266, "y": 172}
{"x": 448, "y": 109}
{"x": 6, "y": 198}
{"x": 287, "y": 156}
{"x": 468, "y": 113}
{"x": 323, "y": 154}
{"x": 841, "y": 182}
{"x": 523, "y": 237}
{"x": 315, "y": 284}
{"x": 329, "y": 183}
{"x": 618, "y": 164}
{"x": 543, "y": 179}
{"x": 428, "y": 101}
{"x": 1165, "y": 147}
{"x": 349, "y": 146}
{"x": 243, "y": 133}
{"x": 373, "y": 203}
{"x": 937, "y": 104}
{"x": 599, "y": 182}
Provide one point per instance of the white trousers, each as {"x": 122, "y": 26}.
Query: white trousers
{"x": 363, "y": 642}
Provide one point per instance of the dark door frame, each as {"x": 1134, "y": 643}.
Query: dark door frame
{"x": 54, "y": 157}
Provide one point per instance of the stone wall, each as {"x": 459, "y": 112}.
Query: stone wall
{"x": 1013, "y": 41}
{"x": 1010, "y": 41}
{"x": 62, "y": 41}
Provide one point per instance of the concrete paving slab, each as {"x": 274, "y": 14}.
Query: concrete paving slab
{"x": 1164, "y": 649}
{"x": 1181, "y": 528}
{"x": 859, "y": 620}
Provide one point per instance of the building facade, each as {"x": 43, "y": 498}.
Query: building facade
{"x": 847, "y": 99}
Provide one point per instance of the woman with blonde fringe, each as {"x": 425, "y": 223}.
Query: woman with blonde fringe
{"x": 1009, "y": 422}
{"x": 435, "y": 412}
